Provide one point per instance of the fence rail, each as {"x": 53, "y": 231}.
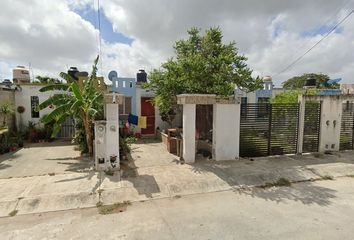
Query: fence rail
{"x": 347, "y": 124}
{"x": 312, "y": 125}
{"x": 268, "y": 129}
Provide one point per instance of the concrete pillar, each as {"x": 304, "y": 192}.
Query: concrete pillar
{"x": 189, "y": 112}
{"x": 300, "y": 132}
{"x": 226, "y": 131}
{"x": 107, "y": 135}
{"x": 331, "y": 116}
{"x": 112, "y": 133}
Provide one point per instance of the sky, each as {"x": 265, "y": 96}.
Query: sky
{"x": 52, "y": 35}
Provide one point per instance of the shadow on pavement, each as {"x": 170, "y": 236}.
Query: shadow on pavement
{"x": 247, "y": 178}
{"x": 144, "y": 184}
{"x": 307, "y": 193}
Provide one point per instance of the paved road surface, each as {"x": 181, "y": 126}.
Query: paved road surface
{"x": 309, "y": 210}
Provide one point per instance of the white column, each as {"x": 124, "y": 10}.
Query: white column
{"x": 189, "y": 132}
{"x": 226, "y": 131}
{"x": 112, "y": 134}
{"x": 331, "y": 116}
{"x": 300, "y": 132}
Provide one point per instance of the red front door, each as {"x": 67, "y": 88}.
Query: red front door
{"x": 148, "y": 110}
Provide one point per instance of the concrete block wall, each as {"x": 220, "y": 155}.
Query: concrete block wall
{"x": 226, "y": 131}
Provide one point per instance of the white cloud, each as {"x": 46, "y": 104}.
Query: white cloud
{"x": 271, "y": 33}
{"x": 252, "y": 24}
{"x": 47, "y": 35}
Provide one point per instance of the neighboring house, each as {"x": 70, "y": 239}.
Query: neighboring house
{"x": 138, "y": 101}
{"x": 26, "y": 94}
{"x": 30, "y": 97}
{"x": 259, "y": 96}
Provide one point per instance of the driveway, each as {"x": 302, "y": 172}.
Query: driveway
{"x": 42, "y": 158}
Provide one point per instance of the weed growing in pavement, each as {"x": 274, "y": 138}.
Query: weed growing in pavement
{"x": 327, "y": 177}
{"x": 13, "y": 213}
{"x": 112, "y": 208}
{"x": 281, "y": 182}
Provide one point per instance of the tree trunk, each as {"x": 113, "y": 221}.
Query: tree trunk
{"x": 89, "y": 135}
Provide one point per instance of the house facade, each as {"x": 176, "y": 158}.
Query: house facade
{"x": 138, "y": 101}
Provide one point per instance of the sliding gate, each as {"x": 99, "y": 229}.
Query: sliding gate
{"x": 268, "y": 129}
{"x": 347, "y": 124}
{"x": 312, "y": 123}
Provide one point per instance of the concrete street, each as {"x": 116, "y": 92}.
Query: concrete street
{"x": 309, "y": 210}
{"x": 52, "y": 177}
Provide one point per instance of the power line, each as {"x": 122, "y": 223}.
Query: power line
{"x": 325, "y": 23}
{"x": 318, "y": 42}
{"x": 99, "y": 34}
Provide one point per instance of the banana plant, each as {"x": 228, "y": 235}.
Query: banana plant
{"x": 6, "y": 109}
{"x": 79, "y": 101}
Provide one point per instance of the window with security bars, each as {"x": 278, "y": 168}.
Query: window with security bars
{"x": 34, "y": 106}
{"x": 126, "y": 106}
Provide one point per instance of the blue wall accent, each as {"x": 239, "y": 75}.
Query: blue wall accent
{"x": 263, "y": 93}
{"x": 127, "y": 87}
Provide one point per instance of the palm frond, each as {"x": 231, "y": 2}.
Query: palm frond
{"x": 58, "y": 113}
{"x": 76, "y": 90}
{"x": 56, "y": 99}
{"x": 88, "y": 85}
{"x": 53, "y": 87}
{"x": 75, "y": 106}
{"x": 69, "y": 79}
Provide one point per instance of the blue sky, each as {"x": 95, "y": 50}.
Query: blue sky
{"x": 107, "y": 32}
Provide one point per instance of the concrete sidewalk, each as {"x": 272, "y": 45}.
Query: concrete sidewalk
{"x": 81, "y": 190}
{"x": 168, "y": 179}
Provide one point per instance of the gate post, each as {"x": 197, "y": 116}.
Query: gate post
{"x": 189, "y": 132}
{"x": 226, "y": 131}
{"x": 301, "y": 124}
{"x": 331, "y": 116}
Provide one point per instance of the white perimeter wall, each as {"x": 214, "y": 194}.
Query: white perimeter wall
{"x": 23, "y": 98}
{"x": 226, "y": 131}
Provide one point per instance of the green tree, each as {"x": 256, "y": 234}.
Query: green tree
{"x": 46, "y": 80}
{"x": 203, "y": 64}
{"x": 289, "y": 97}
{"x": 6, "y": 109}
{"x": 82, "y": 102}
{"x": 298, "y": 82}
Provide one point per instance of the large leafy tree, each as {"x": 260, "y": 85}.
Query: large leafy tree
{"x": 298, "y": 82}
{"x": 203, "y": 64}
{"x": 83, "y": 102}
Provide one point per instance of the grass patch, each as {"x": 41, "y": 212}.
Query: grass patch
{"x": 327, "y": 177}
{"x": 112, "y": 208}
{"x": 281, "y": 182}
{"x": 351, "y": 175}
{"x": 13, "y": 213}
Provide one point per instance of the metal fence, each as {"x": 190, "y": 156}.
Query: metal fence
{"x": 268, "y": 129}
{"x": 347, "y": 124}
{"x": 67, "y": 129}
{"x": 311, "y": 127}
